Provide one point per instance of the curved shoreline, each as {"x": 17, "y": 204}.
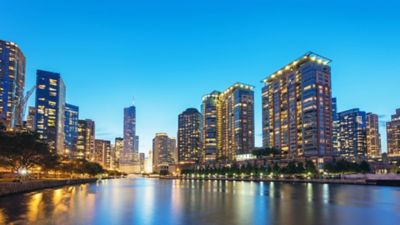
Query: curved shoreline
{"x": 316, "y": 181}
{"x": 29, "y": 186}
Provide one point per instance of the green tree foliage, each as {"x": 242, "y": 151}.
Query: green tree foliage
{"x": 24, "y": 150}
{"x": 343, "y": 166}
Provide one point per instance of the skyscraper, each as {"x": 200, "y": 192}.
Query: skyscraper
{"x": 103, "y": 153}
{"x": 71, "y": 127}
{"x": 118, "y": 149}
{"x": 50, "y": 106}
{"x": 228, "y": 122}
{"x": 163, "y": 149}
{"x": 393, "y": 134}
{"x": 12, "y": 81}
{"x": 129, "y": 130}
{"x": 189, "y": 136}
{"x": 373, "y": 136}
{"x": 352, "y": 134}
{"x": 335, "y": 125}
{"x": 297, "y": 108}
{"x": 210, "y": 110}
{"x": 85, "y": 143}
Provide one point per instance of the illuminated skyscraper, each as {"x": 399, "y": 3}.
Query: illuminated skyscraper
{"x": 50, "y": 106}
{"x": 103, "y": 153}
{"x": 12, "y": 81}
{"x": 352, "y": 134}
{"x": 335, "y": 125}
{"x": 210, "y": 110}
{"x": 71, "y": 127}
{"x": 163, "y": 150}
{"x": 297, "y": 108}
{"x": 85, "y": 143}
{"x": 228, "y": 123}
{"x": 118, "y": 149}
{"x": 130, "y": 155}
{"x": 373, "y": 136}
{"x": 189, "y": 136}
{"x": 393, "y": 134}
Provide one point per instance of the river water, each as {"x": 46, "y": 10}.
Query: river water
{"x": 152, "y": 201}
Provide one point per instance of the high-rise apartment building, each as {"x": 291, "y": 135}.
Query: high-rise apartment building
{"x": 228, "y": 123}
{"x": 12, "y": 81}
{"x": 211, "y": 114}
{"x": 163, "y": 149}
{"x": 352, "y": 134}
{"x": 189, "y": 136}
{"x": 393, "y": 134}
{"x": 118, "y": 149}
{"x": 103, "y": 154}
{"x": 373, "y": 136}
{"x": 50, "y": 107}
{"x": 85, "y": 143}
{"x": 71, "y": 127}
{"x": 297, "y": 108}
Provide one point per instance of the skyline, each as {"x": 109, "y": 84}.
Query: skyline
{"x": 248, "y": 60}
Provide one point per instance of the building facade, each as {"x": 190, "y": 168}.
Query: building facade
{"x": 163, "y": 150}
{"x": 393, "y": 134}
{"x": 71, "y": 127}
{"x": 50, "y": 109}
{"x": 118, "y": 149}
{"x": 189, "y": 136}
{"x": 103, "y": 154}
{"x": 352, "y": 134}
{"x": 12, "y": 81}
{"x": 373, "y": 136}
{"x": 130, "y": 153}
{"x": 228, "y": 125}
{"x": 30, "y": 119}
{"x": 210, "y": 109}
{"x": 297, "y": 108}
{"x": 85, "y": 142}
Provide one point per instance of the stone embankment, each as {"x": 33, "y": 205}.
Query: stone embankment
{"x": 28, "y": 186}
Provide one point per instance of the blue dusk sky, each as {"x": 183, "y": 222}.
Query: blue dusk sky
{"x": 167, "y": 54}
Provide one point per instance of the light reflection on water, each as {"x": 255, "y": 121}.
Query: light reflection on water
{"x": 152, "y": 201}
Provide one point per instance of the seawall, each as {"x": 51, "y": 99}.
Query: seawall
{"x": 28, "y": 186}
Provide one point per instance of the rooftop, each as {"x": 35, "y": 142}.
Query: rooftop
{"x": 308, "y": 57}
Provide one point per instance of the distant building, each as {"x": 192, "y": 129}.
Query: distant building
{"x": 189, "y": 136}
{"x": 50, "y": 106}
{"x": 118, "y": 149}
{"x": 352, "y": 134}
{"x": 393, "y": 134}
{"x": 373, "y": 136}
{"x": 103, "y": 153}
{"x": 71, "y": 127}
{"x": 129, "y": 159}
{"x": 85, "y": 143}
{"x": 12, "y": 81}
{"x": 228, "y": 122}
{"x": 297, "y": 108}
{"x": 163, "y": 149}
{"x": 30, "y": 119}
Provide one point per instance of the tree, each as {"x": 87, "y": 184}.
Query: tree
{"x": 310, "y": 167}
{"x": 24, "y": 150}
{"x": 364, "y": 167}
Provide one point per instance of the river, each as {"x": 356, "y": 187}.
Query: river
{"x": 152, "y": 201}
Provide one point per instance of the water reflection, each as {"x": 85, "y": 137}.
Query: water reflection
{"x": 151, "y": 201}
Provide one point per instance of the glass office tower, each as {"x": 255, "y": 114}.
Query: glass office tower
{"x": 12, "y": 81}
{"x": 71, "y": 127}
{"x": 393, "y": 134}
{"x": 50, "y": 109}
